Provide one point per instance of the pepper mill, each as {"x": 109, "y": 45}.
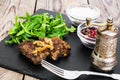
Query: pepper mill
{"x": 104, "y": 54}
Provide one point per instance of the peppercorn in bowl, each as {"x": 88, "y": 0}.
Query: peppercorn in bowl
{"x": 87, "y": 35}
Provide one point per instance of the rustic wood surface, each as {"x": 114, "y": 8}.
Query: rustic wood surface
{"x": 10, "y": 8}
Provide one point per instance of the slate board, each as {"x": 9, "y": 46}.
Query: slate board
{"x": 79, "y": 58}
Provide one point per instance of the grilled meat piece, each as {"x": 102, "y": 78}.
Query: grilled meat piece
{"x": 27, "y": 48}
{"x": 61, "y": 49}
{"x": 41, "y": 49}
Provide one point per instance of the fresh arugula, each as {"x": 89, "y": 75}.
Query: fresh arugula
{"x": 38, "y": 26}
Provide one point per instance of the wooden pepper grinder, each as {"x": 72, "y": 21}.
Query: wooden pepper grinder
{"x": 104, "y": 54}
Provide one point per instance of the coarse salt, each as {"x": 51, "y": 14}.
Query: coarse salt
{"x": 83, "y": 12}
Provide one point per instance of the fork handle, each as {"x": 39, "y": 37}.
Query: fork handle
{"x": 114, "y": 76}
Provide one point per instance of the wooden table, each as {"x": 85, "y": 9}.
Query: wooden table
{"x": 10, "y": 8}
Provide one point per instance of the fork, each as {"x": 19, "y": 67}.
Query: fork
{"x": 67, "y": 74}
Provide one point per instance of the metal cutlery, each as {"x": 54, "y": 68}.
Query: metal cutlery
{"x": 67, "y": 74}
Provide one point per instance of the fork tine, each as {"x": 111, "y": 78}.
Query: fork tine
{"x": 56, "y": 70}
{"x": 52, "y": 70}
{"x": 53, "y": 66}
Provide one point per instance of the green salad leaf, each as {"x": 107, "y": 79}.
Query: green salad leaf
{"x": 38, "y": 26}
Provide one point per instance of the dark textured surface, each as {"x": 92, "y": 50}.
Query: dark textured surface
{"x": 79, "y": 59}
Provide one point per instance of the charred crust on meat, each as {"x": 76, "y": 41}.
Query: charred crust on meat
{"x": 37, "y": 50}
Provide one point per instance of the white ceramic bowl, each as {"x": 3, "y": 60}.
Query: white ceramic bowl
{"x": 80, "y": 13}
{"x": 87, "y": 41}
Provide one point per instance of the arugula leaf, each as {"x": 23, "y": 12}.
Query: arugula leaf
{"x": 38, "y": 26}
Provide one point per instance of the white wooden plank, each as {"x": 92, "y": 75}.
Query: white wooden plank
{"x": 9, "y": 9}
{"x": 58, "y": 5}
{"x": 9, "y": 75}
{"x": 30, "y": 78}
{"x": 108, "y": 8}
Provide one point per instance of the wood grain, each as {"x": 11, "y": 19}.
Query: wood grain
{"x": 30, "y": 78}
{"x": 9, "y": 75}
{"x": 108, "y": 8}
{"x": 58, "y": 5}
{"x": 9, "y": 9}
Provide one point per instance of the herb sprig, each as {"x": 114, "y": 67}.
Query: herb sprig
{"x": 38, "y": 26}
